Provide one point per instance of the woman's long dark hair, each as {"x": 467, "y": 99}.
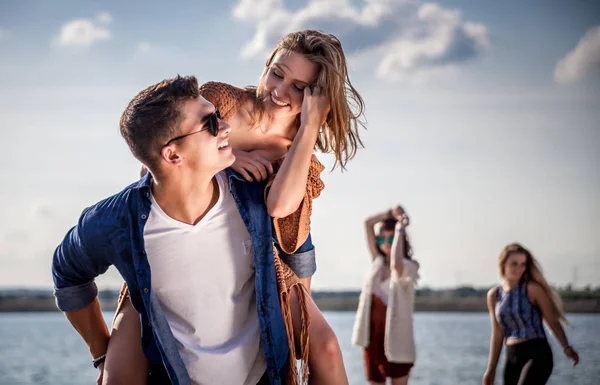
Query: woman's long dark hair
{"x": 390, "y": 225}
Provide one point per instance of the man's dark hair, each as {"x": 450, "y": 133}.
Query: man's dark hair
{"x": 152, "y": 118}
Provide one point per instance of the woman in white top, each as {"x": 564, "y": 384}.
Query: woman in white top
{"x": 384, "y": 325}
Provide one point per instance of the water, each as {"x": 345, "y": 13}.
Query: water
{"x": 452, "y": 349}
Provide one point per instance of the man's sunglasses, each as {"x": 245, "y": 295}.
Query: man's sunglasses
{"x": 212, "y": 125}
{"x": 381, "y": 240}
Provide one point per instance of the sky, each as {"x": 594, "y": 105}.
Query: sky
{"x": 482, "y": 121}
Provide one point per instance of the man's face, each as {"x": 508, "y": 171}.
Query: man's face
{"x": 202, "y": 151}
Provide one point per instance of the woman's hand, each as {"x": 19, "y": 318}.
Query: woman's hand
{"x": 572, "y": 355}
{"x": 315, "y": 107}
{"x": 489, "y": 377}
{"x": 403, "y": 219}
{"x": 252, "y": 167}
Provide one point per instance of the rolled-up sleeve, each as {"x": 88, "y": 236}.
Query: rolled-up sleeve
{"x": 303, "y": 262}
{"x": 74, "y": 268}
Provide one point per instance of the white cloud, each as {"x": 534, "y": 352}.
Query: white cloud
{"x": 254, "y": 9}
{"x": 581, "y": 61}
{"x": 435, "y": 46}
{"x": 85, "y": 32}
{"x": 409, "y": 41}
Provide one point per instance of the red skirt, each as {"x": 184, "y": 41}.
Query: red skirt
{"x": 376, "y": 364}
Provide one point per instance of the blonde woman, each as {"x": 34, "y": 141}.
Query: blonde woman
{"x": 303, "y": 102}
{"x": 517, "y": 308}
{"x": 384, "y": 321}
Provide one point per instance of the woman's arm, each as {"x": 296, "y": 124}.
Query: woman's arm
{"x": 540, "y": 298}
{"x": 370, "y": 230}
{"x": 289, "y": 186}
{"x": 397, "y": 253}
{"x": 496, "y": 339}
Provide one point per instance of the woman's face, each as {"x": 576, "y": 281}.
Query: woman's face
{"x": 515, "y": 266}
{"x": 385, "y": 240}
{"x": 284, "y": 83}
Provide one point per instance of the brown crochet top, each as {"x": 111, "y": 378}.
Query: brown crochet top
{"x": 291, "y": 231}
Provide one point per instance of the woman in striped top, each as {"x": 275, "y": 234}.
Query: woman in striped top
{"x": 517, "y": 308}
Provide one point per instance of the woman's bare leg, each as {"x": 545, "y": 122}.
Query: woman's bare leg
{"x": 306, "y": 282}
{"x": 125, "y": 362}
{"x": 325, "y": 359}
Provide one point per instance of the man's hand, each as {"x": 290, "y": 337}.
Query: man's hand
{"x": 100, "y": 374}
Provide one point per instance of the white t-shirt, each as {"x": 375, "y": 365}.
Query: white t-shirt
{"x": 203, "y": 276}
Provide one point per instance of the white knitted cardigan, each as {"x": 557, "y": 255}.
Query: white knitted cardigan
{"x": 399, "y": 336}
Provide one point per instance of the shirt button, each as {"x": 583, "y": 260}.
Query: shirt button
{"x": 146, "y": 290}
{"x": 144, "y": 216}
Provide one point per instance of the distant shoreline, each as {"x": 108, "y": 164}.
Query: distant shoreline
{"x": 463, "y": 299}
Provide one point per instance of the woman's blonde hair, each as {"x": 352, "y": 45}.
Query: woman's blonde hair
{"x": 533, "y": 273}
{"x": 340, "y": 132}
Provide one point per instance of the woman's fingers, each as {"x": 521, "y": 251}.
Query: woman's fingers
{"x": 242, "y": 171}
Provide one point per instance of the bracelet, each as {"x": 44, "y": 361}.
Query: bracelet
{"x": 99, "y": 361}
{"x": 568, "y": 347}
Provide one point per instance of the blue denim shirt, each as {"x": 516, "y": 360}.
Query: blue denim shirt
{"x": 111, "y": 232}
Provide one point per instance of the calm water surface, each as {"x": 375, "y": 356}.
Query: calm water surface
{"x": 452, "y": 348}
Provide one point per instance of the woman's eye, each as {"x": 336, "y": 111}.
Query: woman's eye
{"x": 277, "y": 74}
{"x": 299, "y": 88}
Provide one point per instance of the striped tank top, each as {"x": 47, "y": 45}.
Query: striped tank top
{"x": 516, "y": 314}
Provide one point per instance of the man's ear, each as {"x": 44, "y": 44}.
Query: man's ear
{"x": 171, "y": 156}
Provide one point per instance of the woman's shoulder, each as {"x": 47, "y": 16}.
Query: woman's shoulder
{"x": 227, "y": 98}
{"x": 492, "y": 294}
{"x": 220, "y": 87}
{"x": 534, "y": 290}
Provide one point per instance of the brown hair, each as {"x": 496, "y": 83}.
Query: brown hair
{"x": 340, "y": 132}
{"x": 390, "y": 225}
{"x": 533, "y": 273}
{"x": 153, "y": 117}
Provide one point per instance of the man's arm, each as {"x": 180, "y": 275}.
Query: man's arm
{"x": 74, "y": 268}
{"x": 90, "y": 325}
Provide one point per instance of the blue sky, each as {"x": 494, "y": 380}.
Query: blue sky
{"x": 482, "y": 121}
